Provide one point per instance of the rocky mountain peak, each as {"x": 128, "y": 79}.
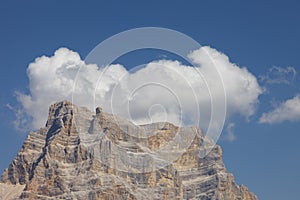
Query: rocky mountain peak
{"x": 98, "y": 110}
{"x": 80, "y": 154}
{"x": 60, "y": 111}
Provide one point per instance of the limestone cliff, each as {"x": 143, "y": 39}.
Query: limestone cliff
{"x": 84, "y": 155}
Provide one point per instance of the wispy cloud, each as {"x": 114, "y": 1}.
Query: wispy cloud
{"x": 230, "y": 135}
{"x": 279, "y": 75}
{"x": 286, "y": 111}
{"x": 22, "y": 121}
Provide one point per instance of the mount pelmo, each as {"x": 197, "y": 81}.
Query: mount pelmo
{"x": 81, "y": 154}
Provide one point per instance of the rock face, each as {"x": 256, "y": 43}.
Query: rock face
{"x": 84, "y": 155}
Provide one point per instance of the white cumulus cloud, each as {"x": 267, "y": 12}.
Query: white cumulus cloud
{"x": 286, "y": 111}
{"x": 162, "y": 90}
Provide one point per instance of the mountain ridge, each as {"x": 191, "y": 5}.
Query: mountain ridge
{"x": 81, "y": 154}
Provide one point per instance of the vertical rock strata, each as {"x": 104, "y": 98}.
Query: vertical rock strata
{"x": 85, "y": 155}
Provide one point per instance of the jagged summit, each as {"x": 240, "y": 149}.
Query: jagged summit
{"x": 81, "y": 154}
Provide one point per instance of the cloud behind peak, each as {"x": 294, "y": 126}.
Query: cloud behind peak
{"x": 165, "y": 87}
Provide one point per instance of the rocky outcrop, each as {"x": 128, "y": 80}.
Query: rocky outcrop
{"x": 84, "y": 155}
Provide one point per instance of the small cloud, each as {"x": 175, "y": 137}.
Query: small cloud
{"x": 286, "y": 111}
{"x": 230, "y": 135}
{"x": 279, "y": 75}
{"x": 21, "y": 123}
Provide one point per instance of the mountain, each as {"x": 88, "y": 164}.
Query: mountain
{"x": 81, "y": 154}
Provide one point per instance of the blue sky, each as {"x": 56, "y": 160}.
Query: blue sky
{"x": 257, "y": 35}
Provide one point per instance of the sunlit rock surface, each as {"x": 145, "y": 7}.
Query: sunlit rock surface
{"x": 85, "y": 155}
